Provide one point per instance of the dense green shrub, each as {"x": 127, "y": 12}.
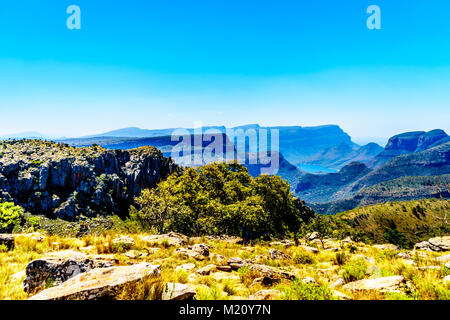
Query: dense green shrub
{"x": 306, "y": 291}
{"x": 219, "y": 198}
{"x": 354, "y": 270}
{"x": 10, "y": 215}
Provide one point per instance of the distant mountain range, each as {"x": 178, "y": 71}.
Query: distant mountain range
{"x": 413, "y": 165}
{"x": 420, "y": 170}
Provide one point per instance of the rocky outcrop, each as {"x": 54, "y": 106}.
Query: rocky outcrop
{"x": 7, "y": 240}
{"x": 434, "y": 244}
{"x": 58, "y": 268}
{"x": 99, "y": 283}
{"x": 56, "y": 179}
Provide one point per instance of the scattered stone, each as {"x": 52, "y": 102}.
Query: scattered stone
{"x": 404, "y": 255}
{"x": 248, "y": 249}
{"x": 125, "y": 242}
{"x": 270, "y": 272}
{"x": 434, "y": 244}
{"x": 265, "y": 295}
{"x": 312, "y": 236}
{"x": 205, "y": 271}
{"x": 236, "y": 263}
{"x": 347, "y": 240}
{"x": 185, "y": 267}
{"x": 285, "y": 243}
{"x": 132, "y": 254}
{"x": 278, "y": 255}
{"x": 201, "y": 248}
{"x": 337, "y": 283}
{"x": 310, "y": 249}
{"x": 383, "y": 285}
{"x": 265, "y": 281}
{"x": 309, "y": 280}
{"x": 387, "y": 246}
{"x": 190, "y": 253}
{"x": 171, "y": 238}
{"x": 99, "y": 283}
{"x": 57, "y": 268}
{"x": 177, "y": 291}
{"x": 7, "y": 240}
{"x": 219, "y": 258}
{"x": 447, "y": 265}
{"x": 224, "y": 268}
{"x": 446, "y": 280}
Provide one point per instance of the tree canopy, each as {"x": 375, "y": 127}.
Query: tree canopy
{"x": 219, "y": 198}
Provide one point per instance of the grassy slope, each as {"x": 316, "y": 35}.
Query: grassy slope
{"x": 417, "y": 220}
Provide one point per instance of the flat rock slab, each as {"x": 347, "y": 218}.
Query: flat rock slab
{"x": 99, "y": 283}
{"x": 383, "y": 285}
{"x": 58, "y": 267}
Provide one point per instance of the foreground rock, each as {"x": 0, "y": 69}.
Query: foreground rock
{"x": 177, "y": 291}
{"x": 387, "y": 284}
{"x": 99, "y": 283}
{"x": 58, "y": 268}
{"x": 7, "y": 240}
{"x": 434, "y": 244}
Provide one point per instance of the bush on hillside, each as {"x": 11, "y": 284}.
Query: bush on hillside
{"x": 219, "y": 198}
{"x": 10, "y": 216}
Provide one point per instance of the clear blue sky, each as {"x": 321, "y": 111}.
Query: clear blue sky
{"x": 156, "y": 64}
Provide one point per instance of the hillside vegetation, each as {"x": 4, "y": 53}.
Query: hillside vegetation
{"x": 401, "y": 223}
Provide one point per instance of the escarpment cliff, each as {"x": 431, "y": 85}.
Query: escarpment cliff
{"x": 62, "y": 181}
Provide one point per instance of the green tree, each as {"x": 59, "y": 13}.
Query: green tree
{"x": 219, "y": 198}
{"x": 10, "y": 216}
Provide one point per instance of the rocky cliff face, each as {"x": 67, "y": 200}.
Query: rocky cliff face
{"x": 409, "y": 142}
{"x": 56, "y": 179}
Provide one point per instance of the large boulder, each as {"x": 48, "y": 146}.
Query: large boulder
{"x": 383, "y": 285}
{"x": 58, "y": 267}
{"x": 7, "y": 240}
{"x": 99, "y": 283}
